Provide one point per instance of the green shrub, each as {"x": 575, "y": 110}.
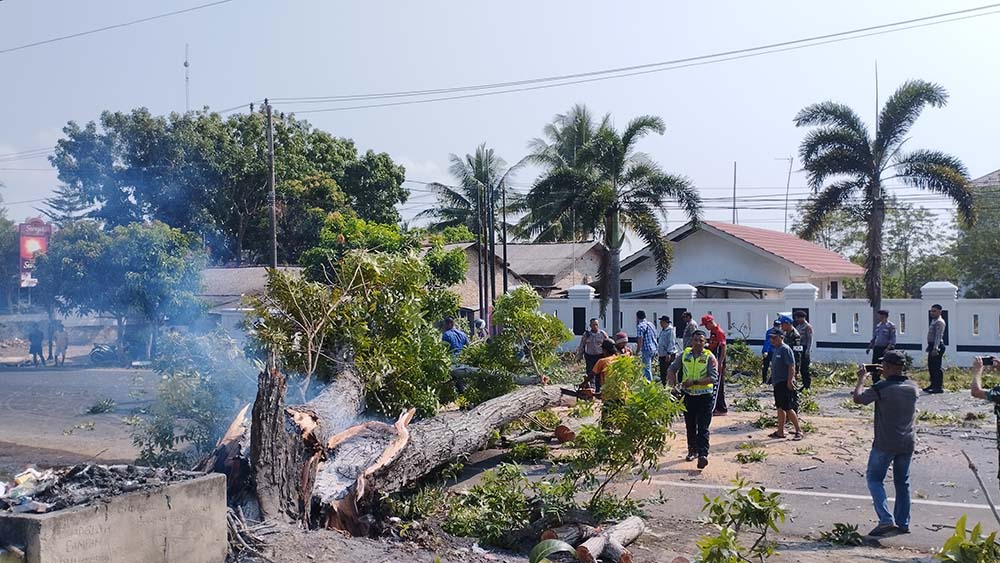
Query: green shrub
{"x": 492, "y": 508}
{"x": 747, "y": 404}
{"x": 740, "y": 359}
{"x": 740, "y": 510}
{"x": 754, "y": 455}
{"x": 966, "y": 547}
{"x": 528, "y": 453}
{"x": 765, "y": 421}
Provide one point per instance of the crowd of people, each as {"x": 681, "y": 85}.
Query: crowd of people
{"x": 691, "y": 360}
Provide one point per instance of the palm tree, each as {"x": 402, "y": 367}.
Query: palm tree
{"x": 614, "y": 188}
{"x": 481, "y": 192}
{"x": 481, "y": 174}
{"x": 564, "y": 140}
{"x": 840, "y": 149}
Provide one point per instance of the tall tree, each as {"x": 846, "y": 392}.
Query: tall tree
{"x": 374, "y": 185}
{"x": 615, "y": 188}
{"x": 565, "y": 138}
{"x": 841, "y": 150}
{"x": 976, "y": 246}
{"x": 66, "y": 206}
{"x": 481, "y": 174}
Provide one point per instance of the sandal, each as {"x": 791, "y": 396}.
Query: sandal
{"x": 776, "y": 434}
{"x": 797, "y": 436}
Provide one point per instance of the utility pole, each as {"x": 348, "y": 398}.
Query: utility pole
{"x": 491, "y": 223}
{"x": 272, "y": 199}
{"x": 735, "y": 219}
{"x": 479, "y": 250}
{"x": 503, "y": 211}
{"x": 187, "y": 80}
{"x": 788, "y": 186}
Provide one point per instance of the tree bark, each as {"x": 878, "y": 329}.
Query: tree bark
{"x": 615, "y": 267}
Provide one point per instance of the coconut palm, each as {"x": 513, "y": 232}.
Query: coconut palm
{"x": 614, "y": 188}
{"x": 841, "y": 150}
{"x": 477, "y": 175}
{"x": 564, "y": 140}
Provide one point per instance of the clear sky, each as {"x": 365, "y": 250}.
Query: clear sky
{"x": 716, "y": 114}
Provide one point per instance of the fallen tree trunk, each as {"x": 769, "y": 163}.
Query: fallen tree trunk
{"x": 321, "y": 464}
{"x": 610, "y": 544}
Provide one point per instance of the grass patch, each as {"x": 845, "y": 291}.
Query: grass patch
{"x": 843, "y": 534}
{"x": 850, "y": 405}
{"x": 975, "y": 416}
{"x": 753, "y": 455}
{"x": 765, "y": 421}
{"x": 523, "y": 453}
{"x": 747, "y": 404}
{"x": 807, "y": 427}
{"x": 805, "y": 451}
{"x": 938, "y": 418}
{"x": 808, "y": 405}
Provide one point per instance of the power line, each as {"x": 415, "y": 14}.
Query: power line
{"x": 622, "y": 72}
{"x": 110, "y": 27}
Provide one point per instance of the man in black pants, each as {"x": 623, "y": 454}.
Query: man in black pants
{"x": 883, "y": 338}
{"x": 767, "y": 352}
{"x": 935, "y": 350}
{"x": 805, "y": 344}
{"x": 698, "y": 372}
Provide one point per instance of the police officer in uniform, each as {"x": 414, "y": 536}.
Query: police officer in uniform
{"x": 695, "y": 372}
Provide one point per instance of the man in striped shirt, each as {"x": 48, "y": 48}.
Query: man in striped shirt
{"x": 645, "y": 337}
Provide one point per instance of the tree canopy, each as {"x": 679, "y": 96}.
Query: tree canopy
{"x": 202, "y": 173}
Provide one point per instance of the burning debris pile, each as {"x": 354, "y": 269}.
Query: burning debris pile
{"x": 55, "y": 489}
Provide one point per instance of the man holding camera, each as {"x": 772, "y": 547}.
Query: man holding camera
{"x": 895, "y": 399}
{"x": 935, "y": 350}
{"x": 991, "y": 395}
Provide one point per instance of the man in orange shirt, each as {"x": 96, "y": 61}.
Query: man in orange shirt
{"x": 601, "y": 367}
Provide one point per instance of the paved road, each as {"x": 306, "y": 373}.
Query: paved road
{"x": 43, "y": 416}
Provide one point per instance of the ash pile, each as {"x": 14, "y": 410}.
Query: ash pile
{"x": 34, "y": 491}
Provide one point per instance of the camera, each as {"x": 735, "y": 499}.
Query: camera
{"x": 873, "y": 368}
{"x": 988, "y": 360}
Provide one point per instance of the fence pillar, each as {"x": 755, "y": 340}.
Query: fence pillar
{"x": 801, "y": 297}
{"x": 680, "y": 298}
{"x": 581, "y": 304}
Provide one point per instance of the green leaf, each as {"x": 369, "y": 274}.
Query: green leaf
{"x": 543, "y": 549}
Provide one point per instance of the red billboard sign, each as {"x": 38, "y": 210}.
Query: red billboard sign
{"x": 34, "y": 235}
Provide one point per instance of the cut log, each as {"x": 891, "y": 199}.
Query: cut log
{"x": 617, "y": 536}
{"x": 573, "y": 534}
{"x": 564, "y": 434}
{"x": 529, "y": 534}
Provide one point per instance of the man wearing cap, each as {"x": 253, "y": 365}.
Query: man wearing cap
{"x": 895, "y": 399}
{"x": 805, "y": 331}
{"x": 717, "y": 346}
{"x": 698, "y": 371}
{"x": 786, "y": 396}
{"x": 991, "y": 395}
{"x": 621, "y": 342}
{"x": 883, "y": 338}
{"x": 454, "y": 336}
{"x": 645, "y": 338}
{"x": 666, "y": 347}
{"x": 689, "y": 327}
{"x": 766, "y": 352}
{"x": 792, "y": 338}
{"x": 935, "y": 350}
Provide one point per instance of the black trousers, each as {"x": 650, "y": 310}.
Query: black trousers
{"x": 665, "y": 362}
{"x": 877, "y": 353}
{"x": 934, "y": 366}
{"x": 804, "y": 372}
{"x": 766, "y": 367}
{"x": 720, "y": 389}
{"x": 697, "y": 419}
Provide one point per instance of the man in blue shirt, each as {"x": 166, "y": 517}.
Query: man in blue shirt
{"x": 454, "y": 336}
{"x": 786, "y": 398}
{"x": 645, "y": 337}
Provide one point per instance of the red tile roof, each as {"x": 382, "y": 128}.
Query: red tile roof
{"x": 791, "y": 248}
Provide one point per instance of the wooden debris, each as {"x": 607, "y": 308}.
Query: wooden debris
{"x": 610, "y": 544}
{"x": 573, "y": 534}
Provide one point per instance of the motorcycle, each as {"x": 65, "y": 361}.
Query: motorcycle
{"x": 104, "y": 354}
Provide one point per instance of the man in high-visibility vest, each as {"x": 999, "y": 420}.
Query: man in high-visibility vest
{"x": 697, "y": 371}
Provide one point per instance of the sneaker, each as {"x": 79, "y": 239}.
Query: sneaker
{"x": 934, "y": 391}
{"x": 720, "y": 413}
{"x": 702, "y": 462}
{"x": 903, "y": 529}
{"x": 691, "y": 456}
{"x": 881, "y": 530}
